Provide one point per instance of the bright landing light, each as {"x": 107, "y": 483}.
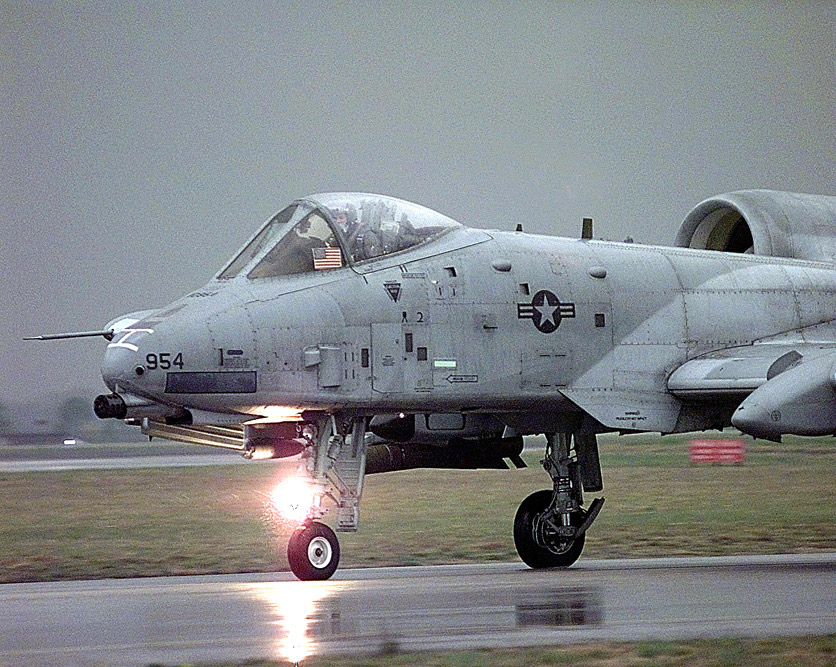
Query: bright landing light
{"x": 293, "y": 499}
{"x": 274, "y": 413}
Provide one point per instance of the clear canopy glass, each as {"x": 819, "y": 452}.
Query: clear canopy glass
{"x": 310, "y": 246}
{"x": 265, "y": 237}
{"x": 373, "y": 225}
{"x": 326, "y": 231}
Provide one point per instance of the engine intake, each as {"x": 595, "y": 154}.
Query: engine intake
{"x": 763, "y": 222}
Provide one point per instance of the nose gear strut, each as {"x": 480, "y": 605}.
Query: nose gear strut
{"x": 335, "y": 460}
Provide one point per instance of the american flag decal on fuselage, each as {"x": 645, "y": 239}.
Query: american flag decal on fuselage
{"x": 327, "y": 258}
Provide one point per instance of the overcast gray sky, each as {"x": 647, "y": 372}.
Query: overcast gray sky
{"x": 142, "y": 144}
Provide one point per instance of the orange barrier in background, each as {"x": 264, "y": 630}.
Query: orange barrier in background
{"x": 704, "y": 450}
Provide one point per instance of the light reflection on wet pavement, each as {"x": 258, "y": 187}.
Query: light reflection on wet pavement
{"x": 239, "y": 617}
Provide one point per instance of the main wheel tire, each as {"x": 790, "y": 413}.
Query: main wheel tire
{"x": 313, "y": 552}
{"x": 532, "y": 553}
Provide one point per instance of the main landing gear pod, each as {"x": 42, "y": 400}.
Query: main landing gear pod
{"x": 550, "y": 525}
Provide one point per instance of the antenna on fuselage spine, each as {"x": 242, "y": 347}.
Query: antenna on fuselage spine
{"x": 586, "y": 232}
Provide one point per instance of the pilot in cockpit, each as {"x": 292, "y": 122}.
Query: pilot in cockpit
{"x": 346, "y": 219}
{"x": 368, "y": 227}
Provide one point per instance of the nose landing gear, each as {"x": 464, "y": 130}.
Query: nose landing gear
{"x": 540, "y": 540}
{"x": 334, "y": 464}
{"x": 313, "y": 551}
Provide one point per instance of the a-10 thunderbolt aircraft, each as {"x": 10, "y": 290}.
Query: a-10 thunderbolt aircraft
{"x": 366, "y": 334}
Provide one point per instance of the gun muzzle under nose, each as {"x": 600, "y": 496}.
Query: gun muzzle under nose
{"x": 110, "y": 406}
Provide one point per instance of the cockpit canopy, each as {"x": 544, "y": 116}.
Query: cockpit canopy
{"x": 329, "y": 231}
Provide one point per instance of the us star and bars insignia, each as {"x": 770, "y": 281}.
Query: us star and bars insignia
{"x": 546, "y": 311}
{"x": 327, "y": 258}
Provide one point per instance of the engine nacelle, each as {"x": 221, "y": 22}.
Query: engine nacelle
{"x": 763, "y": 222}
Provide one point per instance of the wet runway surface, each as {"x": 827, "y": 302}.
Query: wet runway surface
{"x": 236, "y": 617}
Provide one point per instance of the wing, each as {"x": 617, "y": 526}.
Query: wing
{"x": 785, "y": 388}
{"x": 739, "y": 371}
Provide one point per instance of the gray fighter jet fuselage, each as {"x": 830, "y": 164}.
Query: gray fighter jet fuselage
{"x": 370, "y": 334}
{"x": 535, "y": 328}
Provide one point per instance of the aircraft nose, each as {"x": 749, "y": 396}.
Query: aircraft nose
{"x": 121, "y": 364}
{"x": 113, "y": 366}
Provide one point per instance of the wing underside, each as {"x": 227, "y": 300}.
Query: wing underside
{"x": 785, "y": 388}
{"x": 741, "y": 370}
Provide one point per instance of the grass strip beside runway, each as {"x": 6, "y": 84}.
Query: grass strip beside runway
{"x": 772, "y": 652}
{"x": 123, "y": 523}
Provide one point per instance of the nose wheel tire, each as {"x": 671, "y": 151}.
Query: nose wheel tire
{"x": 558, "y": 552}
{"x": 313, "y": 552}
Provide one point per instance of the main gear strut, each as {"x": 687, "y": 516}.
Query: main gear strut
{"x": 550, "y": 526}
